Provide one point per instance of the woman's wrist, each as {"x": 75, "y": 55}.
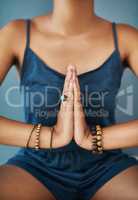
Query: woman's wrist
{"x": 51, "y": 136}
{"x": 87, "y": 140}
{"x": 93, "y": 140}
{"x": 44, "y": 138}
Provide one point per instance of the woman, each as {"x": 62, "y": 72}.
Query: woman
{"x": 42, "y": 48}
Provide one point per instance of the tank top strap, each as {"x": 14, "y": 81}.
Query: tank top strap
{"x": 28, "y": 24}
{"x": 115, "y": 35}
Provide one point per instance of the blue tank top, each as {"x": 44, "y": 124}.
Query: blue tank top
{"x": 41, "y": 87}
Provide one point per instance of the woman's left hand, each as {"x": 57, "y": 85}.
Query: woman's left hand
{"x": 82, "y": 133}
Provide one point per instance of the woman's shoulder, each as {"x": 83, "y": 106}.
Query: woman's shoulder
{"x": 128, "y": 34}
{"x": 13, "y": 25}
{"x": 13, "y": 30}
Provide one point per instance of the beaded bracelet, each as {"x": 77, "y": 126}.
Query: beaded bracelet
{"x": 28, "y": 141}
{"x": 51, "y": 139}
{"x": 99, "y": 138}
{"x": 37, "y": 136}
{"x": 97, "y": 146}
{"x": 94, "y": 145}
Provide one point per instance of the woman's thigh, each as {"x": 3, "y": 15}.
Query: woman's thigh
{"x": 16, "y": 183}
{"x": 123, "y": 186}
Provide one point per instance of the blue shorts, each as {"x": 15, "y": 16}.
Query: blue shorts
{"x": 71, "y": 172}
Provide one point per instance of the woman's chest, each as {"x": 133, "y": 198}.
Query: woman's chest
{"x": 86, "y": 53}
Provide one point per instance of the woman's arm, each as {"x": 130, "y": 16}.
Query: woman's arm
{"x": 8, "y": 46}
{"x": 16, "y": 133}
{"x": 13, "y": 132}
{"x": 123, "y": 135}
{"x": 129, "y": 37}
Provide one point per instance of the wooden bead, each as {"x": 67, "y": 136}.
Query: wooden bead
{"x": 37, "y": 131}
{"x": 99, "y": 137}
{"x": 99, "y": 132}
{"x": 99, "y": 143}
{"x": 100, "y": 148}
{"x": 37, "y": 136}
{"x": 36, "y": 143}
{"x": 98, "y": 127}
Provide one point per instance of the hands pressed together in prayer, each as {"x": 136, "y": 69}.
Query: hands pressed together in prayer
{"x": 71, "y": 121}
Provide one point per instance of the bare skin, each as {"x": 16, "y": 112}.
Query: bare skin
{"x": 90, "y": 34}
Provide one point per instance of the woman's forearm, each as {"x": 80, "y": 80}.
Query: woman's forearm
{"x": 15, "y": 133}
{"x": 123, "y": 135}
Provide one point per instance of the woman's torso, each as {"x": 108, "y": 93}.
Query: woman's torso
{"x": 99, "y": 66}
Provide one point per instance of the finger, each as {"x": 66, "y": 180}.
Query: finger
{"x": 68, "y": 105}
{"x": 68, "y": 90}
{"x": 77, "y": 92}
{"x": 77, "y": 82}
{"x": 70, "y": 93}
{"x": 67, "y": 79}
{"x": 78, "y": 108}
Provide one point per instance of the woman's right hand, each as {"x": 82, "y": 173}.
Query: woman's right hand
{"x": 64, "y": 127}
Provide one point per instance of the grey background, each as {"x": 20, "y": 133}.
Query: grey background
{"x": 124, "y": 11}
